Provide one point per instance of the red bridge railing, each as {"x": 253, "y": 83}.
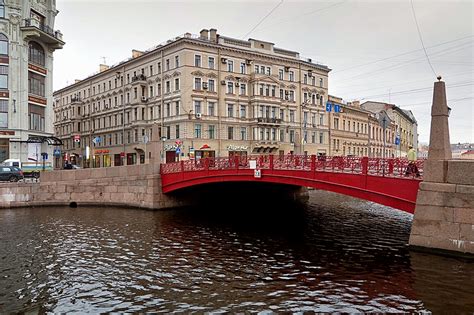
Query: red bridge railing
{"x": 392, "y": 167}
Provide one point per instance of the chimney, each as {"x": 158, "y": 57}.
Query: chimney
{"x": 213, "y": 35}
{"x": 204, "y": 34}
{"x": 77, "y": 81}
{"x": 103, "y": 67}
{"x": 136, "y": 53}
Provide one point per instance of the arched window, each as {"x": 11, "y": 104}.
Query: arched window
{"x": 36, "y": 53}
{"x": 3, "y": 44}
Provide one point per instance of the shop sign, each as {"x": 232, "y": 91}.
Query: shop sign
{"x": 7, "y": 133}
{"x": 237, "y": 148}
{"x": 171, "y": 147}
{"x": 101, "y": 151}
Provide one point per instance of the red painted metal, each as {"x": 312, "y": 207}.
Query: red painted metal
{"x": 379, "y": 180}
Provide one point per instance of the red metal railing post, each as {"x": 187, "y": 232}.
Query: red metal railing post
{"x": 236, "y": 161}
{"x": 313, "y": 163}
{"x": 182, "y": 166}
{"x": 271, "y": 161}
{"x": 390, "y": 166}
{"x": 206, "y": 164}
{"x": 365, "y": 165}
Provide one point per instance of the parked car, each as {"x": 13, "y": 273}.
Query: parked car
{"x": 10, "y": 173}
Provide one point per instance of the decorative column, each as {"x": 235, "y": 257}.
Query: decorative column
{"x": 444, "y": 213}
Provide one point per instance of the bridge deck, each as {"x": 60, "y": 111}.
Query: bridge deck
{"x": 380, "y": 180}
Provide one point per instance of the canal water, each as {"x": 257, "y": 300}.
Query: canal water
{"x": 336, "y": 255}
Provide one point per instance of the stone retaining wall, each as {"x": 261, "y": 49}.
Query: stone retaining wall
{"x": 131, "y": 186}
{"x": 444, "y": 214}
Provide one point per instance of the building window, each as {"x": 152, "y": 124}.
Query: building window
{"x": 4, "y": 77}
{"x": 177, "y": 108}
{"x": 257, "y": 69}
{"x": 292, "y": 116}
{"x": 168, "y": 132}
{"x": 168, "y": 87}
{"x": 35, "y": 83}
{"x": 243, "y": 111}
{"x": 243, "y": 69}
{"x": 177, "y": 132}
{"x": 36, "y": 53}
{"x": 212, "y": 131}
{"x": 197, "y": 131}
{"x": 197, "y": 83}
{"x": 36, "y": 117}
{"x": 321, "y": 137}
{"x": 211, "y": 62}
{"x": 167, "y": 63}
{"x": 230, "y": 66}
{"x": 176, "y": 84}
{"x": 176, "y": 62}
{"x": 197, "y": 60}
{"x": 305, "y": 78}
{"x": 211, "y": 108}
{"x": 321, "y": 119}
{"x": 292, "y": 136}
{"x": 282, "y": 135}
{"x": 3, "y": 45}
{"x": 168, "y": 110}
{"x": 2, "y": 9}
{"x": 211, "y": 85}
{"x": 280, "y": 74}
{"x": 3, "y": 113}
{"x": 321, "y": 82}
{"x": 243, "y": 133}
{"x": 269, "y": 71}
{"x": 230, "y": 87}
{"x": 230, "y": 110}
{"x": 292, "y": 76}
{"x": 197, "y": 107}
{"x": 243, "y": 89}
{"x": 230, "y": 133}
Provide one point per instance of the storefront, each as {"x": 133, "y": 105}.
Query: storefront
{"x": 4, "y": 149}
{"x": 204, "y": 152}
{"x": 131, "y": 158}
{"x": 236, "y": 150}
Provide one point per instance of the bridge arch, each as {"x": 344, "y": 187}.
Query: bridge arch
{"x": 377, "y": 180}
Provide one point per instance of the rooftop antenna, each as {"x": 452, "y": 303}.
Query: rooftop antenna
{"x": 105, "y": 60}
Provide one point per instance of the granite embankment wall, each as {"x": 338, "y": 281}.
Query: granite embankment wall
{"x": 444, "y": 214}
{"x": 131, "y": 186}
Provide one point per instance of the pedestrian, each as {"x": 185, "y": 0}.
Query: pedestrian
{"x": 412, "y": 169}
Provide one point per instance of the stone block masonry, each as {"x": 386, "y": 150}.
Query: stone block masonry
{"x": 129, "y": 186}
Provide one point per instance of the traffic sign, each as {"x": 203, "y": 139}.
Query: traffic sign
{"x": 328, "y": 106}
{"x": 96, "y": 140}
{"x": 57, "y": 152}
{"x": 178, "y": 150}
{"x": 122, "y": 154}
{"x": 77, "y": 138}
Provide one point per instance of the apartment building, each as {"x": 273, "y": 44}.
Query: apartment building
{"x": 204, "y": 95}
{"x": 406, "y": 126}
{"x": 27, "y": 43}
{"x": 355, "y": 131}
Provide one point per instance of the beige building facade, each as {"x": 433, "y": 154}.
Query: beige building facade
{"x": 27, "y": 43}
{"x": 206, "y": 95}
{"x": 406, "y": 126}
{"x": 355, "y": 131}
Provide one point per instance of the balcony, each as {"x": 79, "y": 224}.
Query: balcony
{"x": 268, "y": 120}
{"x": 140, "y": 78}
{"x": 76, "y": 100}
{"x": 34, "y": 30}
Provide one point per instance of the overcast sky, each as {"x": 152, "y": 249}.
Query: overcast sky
{"x": 373, "y": 47}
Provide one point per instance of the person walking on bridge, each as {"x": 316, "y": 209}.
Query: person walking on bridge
{"x": 412, "y": 169}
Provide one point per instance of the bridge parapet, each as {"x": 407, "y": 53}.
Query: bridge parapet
{"x": 394, "y": 167}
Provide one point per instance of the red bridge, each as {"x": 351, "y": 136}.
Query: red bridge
{"x": 379, "y": 180}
